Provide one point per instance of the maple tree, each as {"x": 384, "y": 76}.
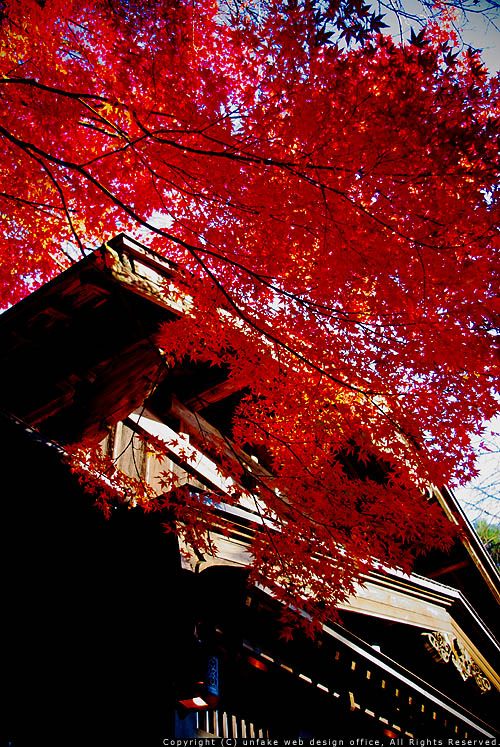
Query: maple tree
{"x": 336, "y": 210}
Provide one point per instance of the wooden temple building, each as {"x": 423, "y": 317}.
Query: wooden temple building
{"x": 112, "y": 639}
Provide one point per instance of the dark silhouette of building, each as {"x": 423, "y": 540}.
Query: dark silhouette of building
{"x": 112, "y": 638}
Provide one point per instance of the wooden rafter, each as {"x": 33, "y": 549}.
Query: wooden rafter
{"x": 213, "y": 395}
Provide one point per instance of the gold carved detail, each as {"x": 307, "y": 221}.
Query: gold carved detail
{"x": 448, "y": 648}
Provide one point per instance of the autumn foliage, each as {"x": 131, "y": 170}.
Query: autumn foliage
{"x": 336, "y": 209}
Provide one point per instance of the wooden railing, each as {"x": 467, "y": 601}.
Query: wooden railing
{"x": 219, "y": 723}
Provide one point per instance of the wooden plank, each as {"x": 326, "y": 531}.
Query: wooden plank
{"x": 153, "y": 287}
{"x": 448, "y": 569}
{"x": 212, "y": 440}
{"x": 399, "y": 606}
{"x": 125, "y": 244}
{"x": 214, "y": 394}
{"x": 227, "y": 553}
{"x": 178, "y": 445}
{"x": 202, "y": 467}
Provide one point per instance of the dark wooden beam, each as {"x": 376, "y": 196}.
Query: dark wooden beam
{"x": 448, "y": 569}
{"x": 213, "y": 395}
